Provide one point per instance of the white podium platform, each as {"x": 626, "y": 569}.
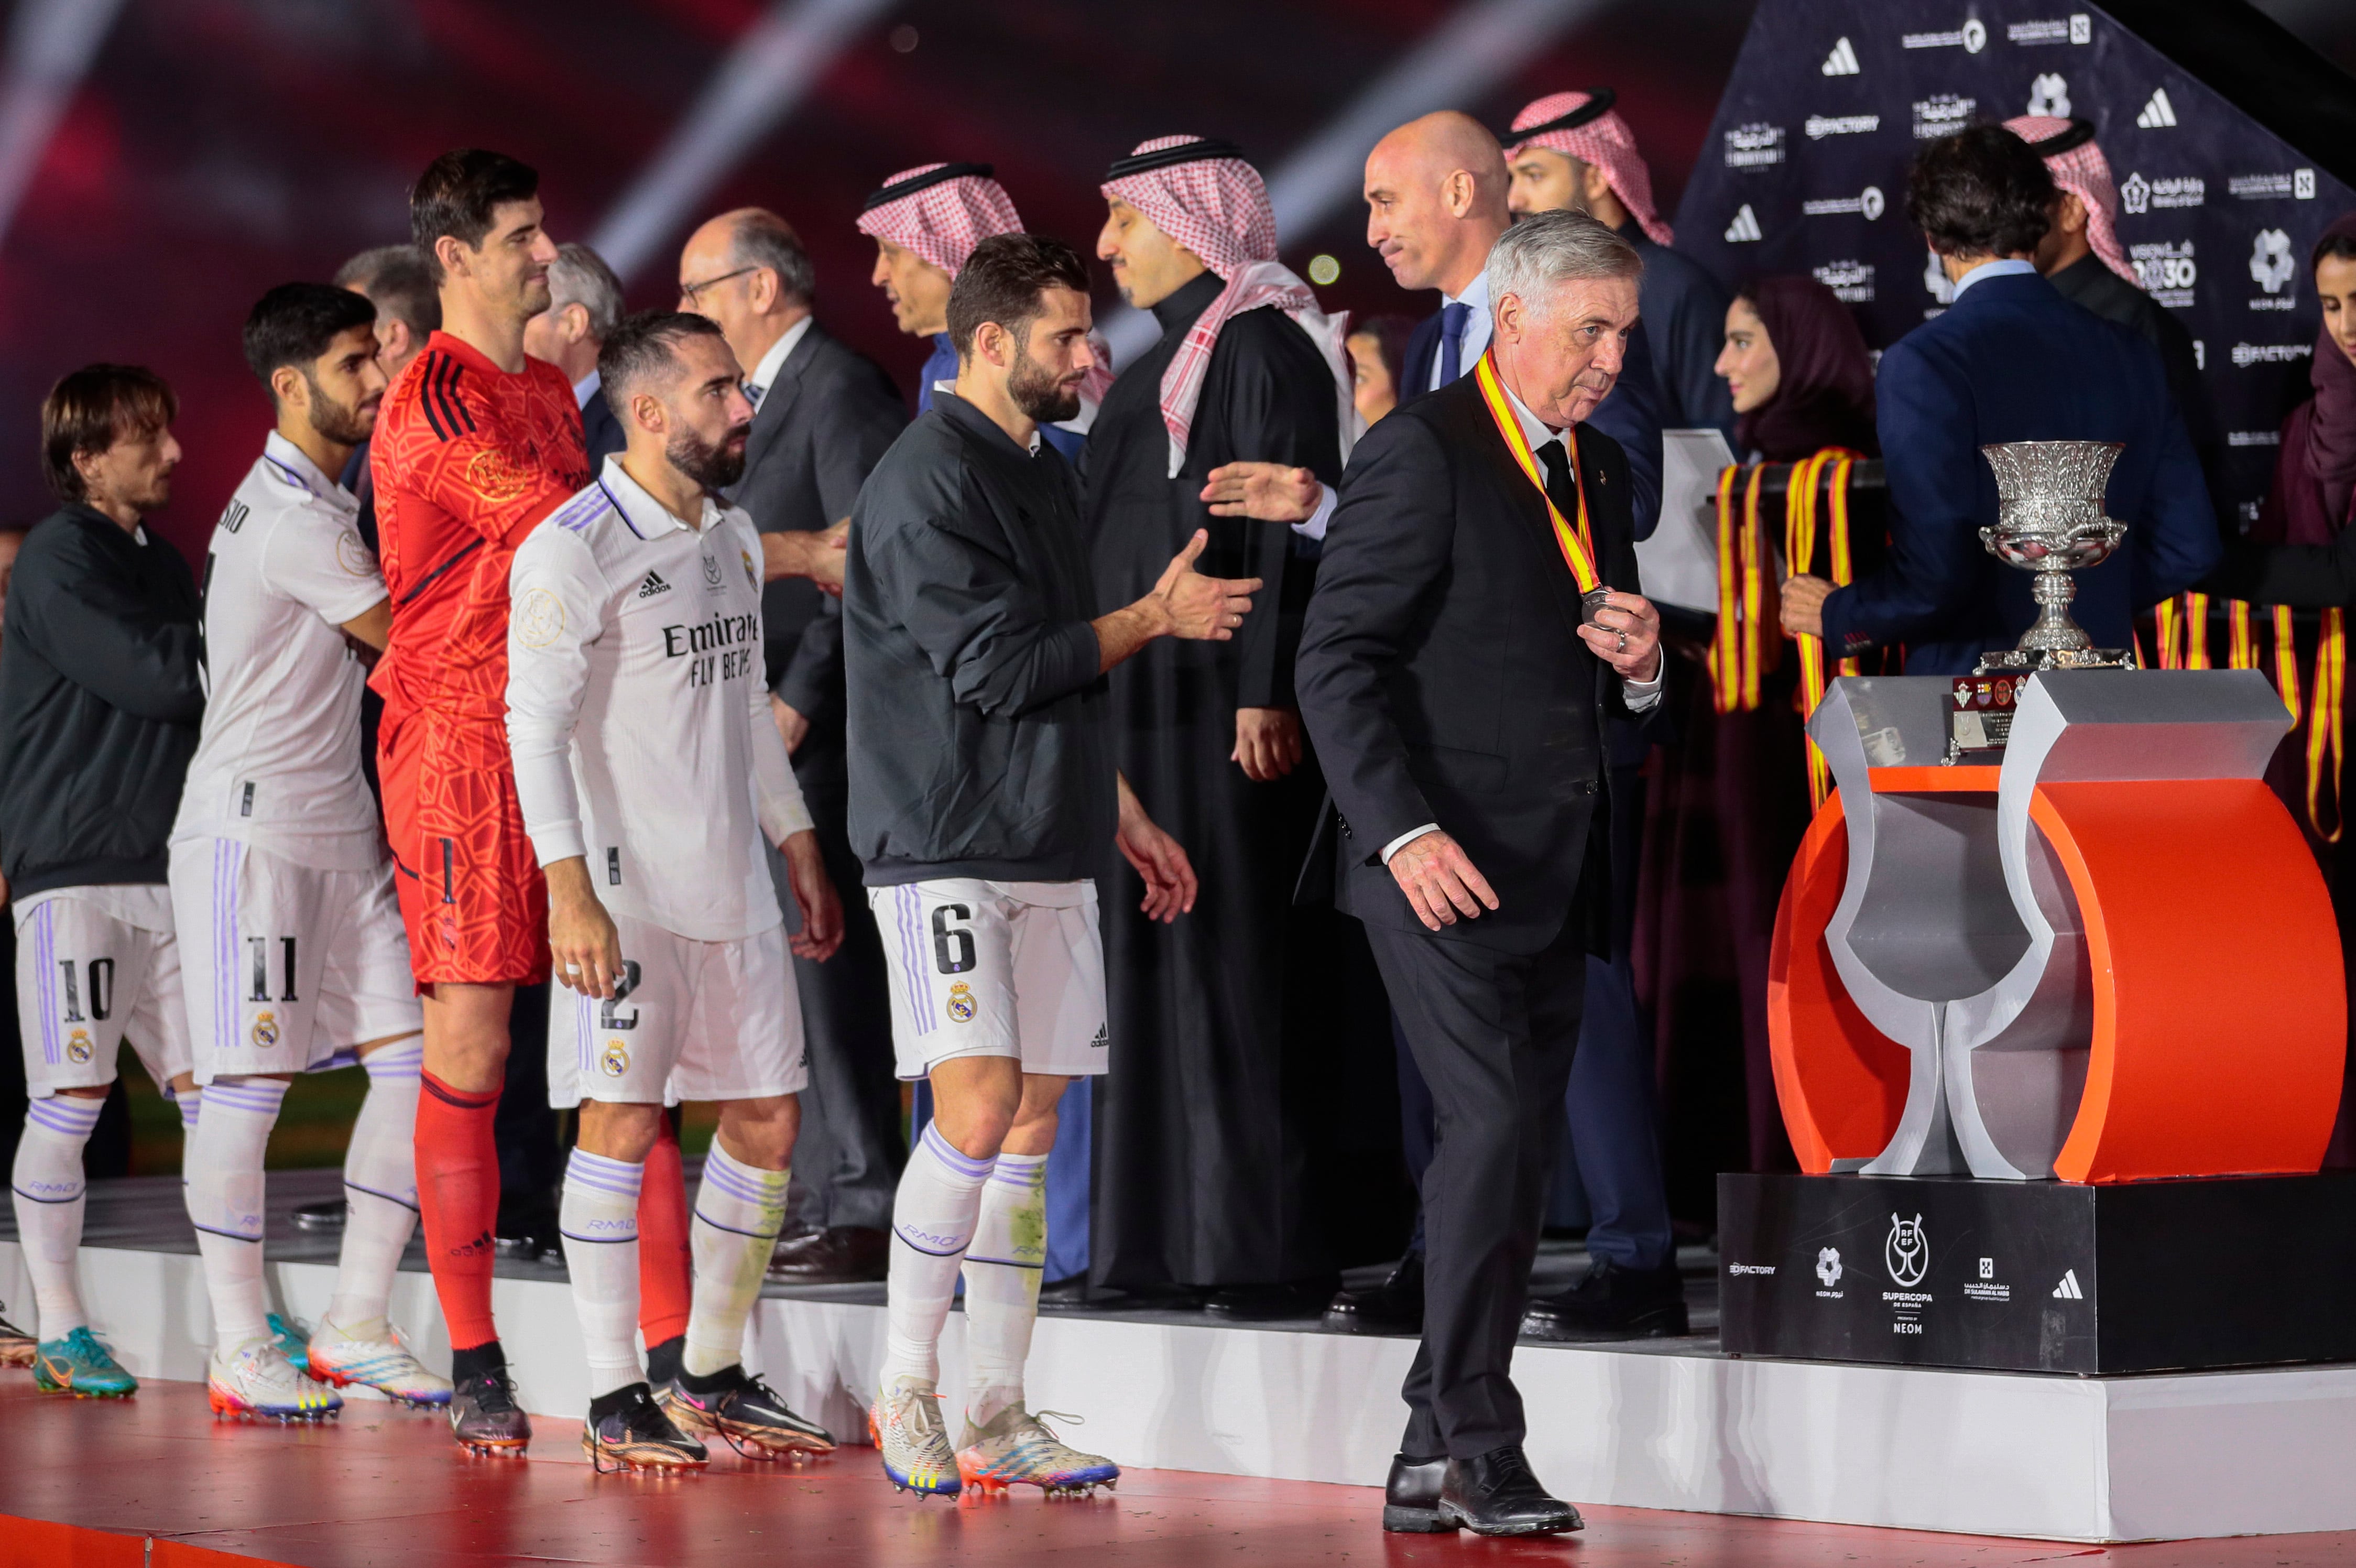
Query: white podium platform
{"x": 1668, "y": 1424}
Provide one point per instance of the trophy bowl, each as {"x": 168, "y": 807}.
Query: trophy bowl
{"x": 2050, "y": 521}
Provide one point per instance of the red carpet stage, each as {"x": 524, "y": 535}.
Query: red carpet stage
{"x": 156, "y": 1483}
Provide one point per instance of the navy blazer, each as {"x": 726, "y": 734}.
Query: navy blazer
{"x": 2013, "y": 361}
{"x": 1631, "y": 414}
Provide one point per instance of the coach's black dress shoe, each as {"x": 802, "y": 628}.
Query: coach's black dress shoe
{"x": 1613, "y": 1303}
{"x": 1394, "y": 1306}
{"x": 1411, "y": 1496}
{"x": 1496, "y": 1495}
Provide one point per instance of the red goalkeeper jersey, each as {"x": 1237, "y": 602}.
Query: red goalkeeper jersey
{"x": 467, "y": 460}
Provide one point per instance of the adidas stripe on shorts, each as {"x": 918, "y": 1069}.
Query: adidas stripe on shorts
{"x": 994, "y": 969}
{"x": 95, "y": 967}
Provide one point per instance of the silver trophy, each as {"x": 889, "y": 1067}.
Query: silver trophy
{"x": 2048, "y": 521}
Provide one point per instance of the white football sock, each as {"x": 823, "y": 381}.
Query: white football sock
{"x": 598, "y": 1218}
{"x": 380, "y": 1190}
{"x": 49, "y": 1196}
{"x": 223, "y": 1183}
{"x": 739, "y": 1210}
{"x": 933, "y": 1217}
{"x": 1002, "y": 1270}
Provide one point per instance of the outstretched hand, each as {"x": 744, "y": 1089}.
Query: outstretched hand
{"x": 1269, "y": 491}
{"x": 1205, "y": 609}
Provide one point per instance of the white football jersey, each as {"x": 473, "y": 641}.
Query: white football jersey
{"x": 278, "y": 757}
{"x": 636, "y": 712}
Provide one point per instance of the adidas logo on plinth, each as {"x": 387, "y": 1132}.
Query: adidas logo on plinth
{"x": 2159, "y": 113}
{"x": 2068, "y": 1289}
{"x": 1842, "y": 62}
{"x": 653, "y": 585}
{"x": 1744, "y": 226}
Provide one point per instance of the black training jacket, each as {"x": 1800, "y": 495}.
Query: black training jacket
{"x": 978, "y": 716}
{"x": 100, "y": 696}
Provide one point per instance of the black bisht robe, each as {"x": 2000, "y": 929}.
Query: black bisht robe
{"x": 1240, "y": 1034}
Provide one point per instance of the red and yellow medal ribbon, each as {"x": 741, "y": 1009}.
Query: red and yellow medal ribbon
{"x": 2324, "y": 719}
{"x": 2240, "y": 646}
{"x": 2196, "y": 633}
{"x": 1737, "y": 653}
{"x": 1578, "y": 545}
{"x": 2286, "y": 663}
{"x": 1799, "y": 557}
{"x": 2164, "y": 618}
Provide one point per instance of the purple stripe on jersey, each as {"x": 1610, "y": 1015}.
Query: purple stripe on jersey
{"x": 946, "y": 1153}
{"x": 580, "y": 511}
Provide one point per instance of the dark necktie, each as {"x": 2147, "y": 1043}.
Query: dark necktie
{"x": 1452, "y": 321}
{"x": 1562, "y": 485}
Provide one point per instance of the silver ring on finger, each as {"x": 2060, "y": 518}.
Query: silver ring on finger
{"x": 1623, "y": 642}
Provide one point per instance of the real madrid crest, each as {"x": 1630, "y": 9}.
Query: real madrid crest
{"x": 752, "y": 575}
{"x": 265, "y": 1029}
{"x": 617, "y": 1060}
{"x": 962, "y": 1006}
{"x": 78, "y": 1045}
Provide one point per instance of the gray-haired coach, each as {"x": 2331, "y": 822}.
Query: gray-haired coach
{"x": 1457, "y": 704}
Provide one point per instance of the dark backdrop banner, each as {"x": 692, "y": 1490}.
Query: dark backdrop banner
{"x": 1805, "y": 171}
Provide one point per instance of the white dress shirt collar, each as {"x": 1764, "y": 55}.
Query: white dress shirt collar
{"x": 586, "y": 387}
{"x": 765, "y": 374}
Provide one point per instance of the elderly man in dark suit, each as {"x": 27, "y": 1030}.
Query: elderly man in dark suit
{"x": 2011, "y": 360}
{"x": 584, "y": 307}
{"x": 823, "y": 414}
{"x": 1476, "y": 624}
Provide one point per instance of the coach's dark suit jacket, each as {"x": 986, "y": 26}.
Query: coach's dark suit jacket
{"x": 818, "y": 432}
{"x": 2013, "y": 361}
{"x": 1441, "y": 671}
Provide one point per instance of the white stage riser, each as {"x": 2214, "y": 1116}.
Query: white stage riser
{"x": 2139, "y": 1459}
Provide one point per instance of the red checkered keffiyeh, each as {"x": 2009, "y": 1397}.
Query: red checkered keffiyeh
{"x": 2079, "y": 168}
{"x": 1216, "y": 207}
{"x": 1597, "y": 136}
{"x": 941, "y": 211}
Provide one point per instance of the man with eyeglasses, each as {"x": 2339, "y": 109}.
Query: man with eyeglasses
{"x": 822, "y": 417}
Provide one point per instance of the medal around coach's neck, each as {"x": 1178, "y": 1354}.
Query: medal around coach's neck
{"x": 2048, "y": 521}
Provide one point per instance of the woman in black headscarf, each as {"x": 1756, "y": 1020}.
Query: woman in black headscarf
{"x": 1799, "y": 371}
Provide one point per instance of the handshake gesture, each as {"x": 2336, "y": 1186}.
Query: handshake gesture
{"x": 1184, "y": 603}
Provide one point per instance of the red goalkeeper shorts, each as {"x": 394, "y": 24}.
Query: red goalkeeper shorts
{"x": 471, "y": 893}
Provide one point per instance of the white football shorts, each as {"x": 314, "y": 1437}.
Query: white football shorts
{"x": 994, "y": 969}
{"x": 96, "y": 966}
{"x": 700, "y": 1021}
{"x": 289, "y": 967}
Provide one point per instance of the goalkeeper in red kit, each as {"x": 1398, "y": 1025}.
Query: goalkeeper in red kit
{"x": 475, "y": 444}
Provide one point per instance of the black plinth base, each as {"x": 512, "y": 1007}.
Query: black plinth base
{"x": 2039, "y": 1276}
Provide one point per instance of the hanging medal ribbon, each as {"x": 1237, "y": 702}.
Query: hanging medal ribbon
{"x": 2286, "y": 663}
{"x": 1735, "y": 656}
{"x": 2196, "y": 631}
{"x": 1800, "y": 503}
{"x": 2324, "y": 719}
{"x": 2165, "y": 617}
{"x": 1577, "y": 545}
{"x": 2240, "y": 645}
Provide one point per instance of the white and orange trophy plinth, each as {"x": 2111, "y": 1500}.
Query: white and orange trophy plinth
{"x": 2109, "y": 957}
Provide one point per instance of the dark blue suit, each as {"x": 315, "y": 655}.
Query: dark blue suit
{"x": 2013, "y": 361}
{"x": 601, "y": 430}
{"x": 1613, "y": 1122}
{"x": 1631, "y": 415}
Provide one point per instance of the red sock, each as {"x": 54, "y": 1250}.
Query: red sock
{"x": 665, "y": 1272}
{"x": 458, "y": 1202}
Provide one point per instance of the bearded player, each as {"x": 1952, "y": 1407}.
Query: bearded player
{"x": 293, "y": 958}
{"x": 475, "y": 444}
{"x": 651, "y": 774}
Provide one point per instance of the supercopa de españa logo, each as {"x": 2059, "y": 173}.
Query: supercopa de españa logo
{"x": 1907, "y": 1252}
{"x": 961, "y": 1004}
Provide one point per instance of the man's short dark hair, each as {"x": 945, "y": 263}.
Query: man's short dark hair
{"x": 647, "y": 345}
{"x": 296, "y": 323}
{"x": 1980, "y": 192}
{"x": 765, "y": 240}
{"x": 90, "y": 410}
{"x": 1003, "y": 281}
{"x": 401, "y": 283}
{"x": 460, "y": 194}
